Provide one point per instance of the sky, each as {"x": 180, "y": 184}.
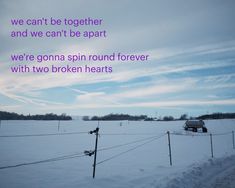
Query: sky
{"x": 191, "y": 67}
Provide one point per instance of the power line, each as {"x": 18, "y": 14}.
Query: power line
{"x": 119, "y": 154}
{"x": 76, "y": 155}
{"x": 49, "y": 134}
{"x": 129, "y": 143}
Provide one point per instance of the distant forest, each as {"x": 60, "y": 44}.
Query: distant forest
{"x": 119, "y": 117}
{"x": 112, "y": 117}
{"x": 217, "y": 116}
{"x": 15, "y": 116}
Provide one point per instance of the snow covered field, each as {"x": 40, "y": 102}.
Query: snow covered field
{"x": 143, "y": 159}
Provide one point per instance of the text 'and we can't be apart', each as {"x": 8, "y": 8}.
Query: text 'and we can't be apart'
{"x": 69, "y": 28}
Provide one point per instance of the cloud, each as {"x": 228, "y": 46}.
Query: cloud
{"x": 29, "y": 100}
{"x": 190, "y": 54}
{"x": 153, "y": 104}
{"x": 94, "y": 97}
{"x": 157, "y": 89}
{"x": 122, "y": 72}
{"x": 9, "y": 107}
{"x": 205, "y": 49}
{"x": 119, "y": 98}
{"x": 229, "y": 102}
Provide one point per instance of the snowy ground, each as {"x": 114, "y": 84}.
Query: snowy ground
{"x": 144, "y": 161}
{"x": 218, "y": 173}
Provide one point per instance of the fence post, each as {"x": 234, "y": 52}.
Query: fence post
{"x": 233, "y": 139}
{"x": 169, "y": 144}
{"x": 96, "y": 143}
{"x": 212, "y": 154}
{"x": 58, "y": 125}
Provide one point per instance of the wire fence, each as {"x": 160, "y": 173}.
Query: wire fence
{"x": 75, "y": 133}
{"x": 38, "y": 135}
{"x": 135, "y": 145}
{"x": 127, "y": 134}
{"x": 128, "y": 143}
{"x": 64, "y": 157}
{"x": 201, "y": 134}
{"x": 129, "y": 150}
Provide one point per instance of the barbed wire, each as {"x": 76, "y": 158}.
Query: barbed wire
{"x": 75, "y": 155}
{"x": 119, "y": 154}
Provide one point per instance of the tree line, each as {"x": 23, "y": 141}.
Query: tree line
{"x": 111, "y": 117}
{"x": 217, "y": 116}
{"x": 120, "y": 117}
{"x": 50, "y": 116}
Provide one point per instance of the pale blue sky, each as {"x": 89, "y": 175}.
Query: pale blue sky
{"x": 191, "y": 70}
